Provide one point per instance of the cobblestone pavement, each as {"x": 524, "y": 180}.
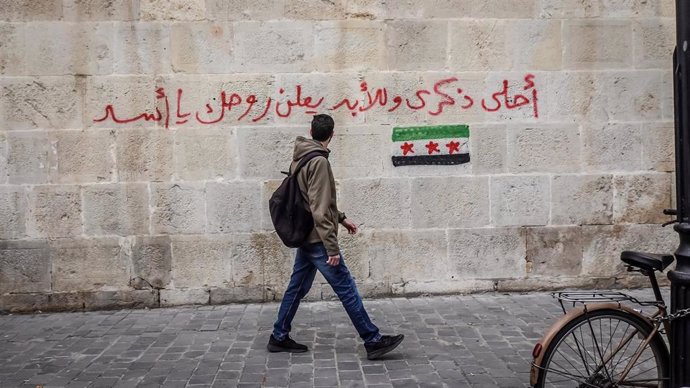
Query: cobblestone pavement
{"x": 482, "y": 340}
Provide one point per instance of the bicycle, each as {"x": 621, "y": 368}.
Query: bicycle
{"x": 604, "y": 343}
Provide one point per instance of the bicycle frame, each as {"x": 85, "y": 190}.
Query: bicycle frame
{"x": 585, "y": 309}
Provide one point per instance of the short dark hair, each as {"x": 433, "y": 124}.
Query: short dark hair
{"x": 322, "y": 127}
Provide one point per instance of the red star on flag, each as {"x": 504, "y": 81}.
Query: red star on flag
{"x": 407, "y": 148}
{"x": 432, "y": 147}
{"x": 453, "y": 146}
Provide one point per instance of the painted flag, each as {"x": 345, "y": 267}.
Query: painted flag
{"x": 439, "y": 144}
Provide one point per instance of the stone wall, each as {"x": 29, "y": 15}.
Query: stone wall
{"x": 141, "y": 139}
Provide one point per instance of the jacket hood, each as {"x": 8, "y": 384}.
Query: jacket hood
{"x": 304, "y": 146}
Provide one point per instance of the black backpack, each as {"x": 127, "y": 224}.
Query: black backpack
{"x": 290, "y": 214}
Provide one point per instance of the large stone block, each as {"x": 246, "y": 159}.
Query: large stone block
{"x": 13, "y": 212}
{"x": 233, "y": 206}
{"x": 151, "y": 262}
{"x": 307, "y": 9}
{"x": 30, "y": 158}
{"x": 653, "y": 41}
{"x": 357, "y": 155}
{"x": 378, "y": 203}
{"x": 55, "y": 211}
{"x": 274, "y": 46}
{"x": 369, "y": 9}
{"x": 597, "y": 44}
{"x": 517, "y": 9}
{"x": 602, "y": 245}
{"x": 253, "y": 294}
{"x": 554, "y": 251}
{"x": 142, "y": 48}
{"x": 127, "y": 96}
{"x": 478, "y": 45}
{"x": 519, "y": 200}
{"x": 633, "y": 96}
{"x": 202, "y": 47}
{"x": 184, "y": 297}
{"x": 40, "y": 102}
{"x": 534, "y": 44}
{"x": 611, "y": 147}
{"x": 492, "y": 253}
{"x": 24, "y": 266}
{"x": 454, "y": 97}
{"x": 401, "y": 256}
{"x": 275, "y": 259}
{"x": 172, "y": 9}
{"x": 25, "y": 10}
{"x": 279, "y": 147}
{"x": 581, "y": 199}
{"x": 569, "y": 9}
{"x": 12, "y": 58}
{"x": 246, "y": 10}
{"x": 100, "y": 10}
{"x": 69, "y": 48}
{"x": 349, "y": 45}
{"x": 488, "y": 148}
{"x": 455, "y": 202}
{"x": 658, "y": 147}
{"x": 205, "y": 154}
{"x": 144, "y": 155}
{"x": 121, "y": 209}
{"x": 417, "y": 45}
{"x": 632, "y": 8}
{"x": 640, "y": 198}
{"x": 548, "y": 148}
{"x": 89, "y": 264}
{"x": 575, "y": 96}
{"x": 202, "y": 261}
{"x": 84, "y": 156}
{"x": 178, "y": 208}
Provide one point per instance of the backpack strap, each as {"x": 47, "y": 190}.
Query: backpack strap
{"x": 307, "y": 158}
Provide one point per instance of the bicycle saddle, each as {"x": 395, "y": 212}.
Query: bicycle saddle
{"x": 647, "y": 261}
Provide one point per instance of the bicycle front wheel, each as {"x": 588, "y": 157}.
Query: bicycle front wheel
{"x": 605, "y": 348}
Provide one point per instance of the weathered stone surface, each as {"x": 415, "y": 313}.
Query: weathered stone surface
{"x": 89, "y": 265}
{"x": 552, "y": 148}
{"x": 369, "y": 9}
{"x": 59, "y": 48}
{"x": 3, "y": 158}
{"x": 378, "y": 203}
{"x": 13, "y": 212}
{"x": 30, "y": 158}
{"x": 25, "y": 10}
{"x": 267, "y": 189}
{"x": 575, "y": 96}
{"x": 172, "y": 9}
{"x": 488, "y": 148}
{"x": 144, "y": 155}
{"x": 205, "y": 154}
{"x": 262, "y": 259}
{"x": 151, "y": 262}
{"x": 178, "y": 208}
{"x": 121, "y": 209}
{"x": 611, "y": 147}
{"x": 238, "y": 295}
{"x": 12, "y": 58}
{"x": 184, "y": 297}
{"x": 233, "y": 206}
{"x": 306, "y": 9}
{"x": 129, "y": 96}
{"x": 202, "y": 47}
{"x": 569, "y": 9}
{"x": 641, "y": 198}
{"x": 417, "y": 45}
{"x": 602, "y": 245}
{"x": 202, "y": 261}
{"x": 632, "y": 95}
{"x": 519, "y": 9}
{"x": 258, "y": 165}
{"x": 631, "y": 8}
{"x": 54, "y": 211}
{"x": 581, "y": 199}
{"x": 244, "y": 10}
{"x": 658, "y": 147}
{"x": 519, "y": 200}
{"x": 486, "y": 253}
{"x": 653, "y": 41}
{"x": 533, "y": 44}
{"x": 97, "y": 10}
{"x": 273, "y": 46}
{"x": 40, "y": 102}
{"x": 455, "y": 202}
{"x": 554, "y": 251}
{"x": 597, "y": 44}
{"x": 349, "y": 45}
{"x": 93, "y": 300}
{"x": 84, "y": 156}
{"x": 24, "y": 266}
{"x": 485, "y": 39}
{"x": 142, "y": 48}
{"x": 369, "y": 150}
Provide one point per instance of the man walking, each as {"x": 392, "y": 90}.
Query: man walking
{"x": 321, "y": 251}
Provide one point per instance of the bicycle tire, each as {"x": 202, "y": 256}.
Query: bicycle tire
{"x": 573, "y": 356}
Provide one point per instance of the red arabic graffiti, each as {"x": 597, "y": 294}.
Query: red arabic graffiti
{"x": 443, "y": 96}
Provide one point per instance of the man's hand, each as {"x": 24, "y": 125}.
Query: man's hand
{"x": 351, "y": 227}
{"x": 333, "y": 260}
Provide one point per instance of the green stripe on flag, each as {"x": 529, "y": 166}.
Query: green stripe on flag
{"x": 433, "y": 132}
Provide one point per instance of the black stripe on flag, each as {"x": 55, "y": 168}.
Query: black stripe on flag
{"x": 430, "y": 159}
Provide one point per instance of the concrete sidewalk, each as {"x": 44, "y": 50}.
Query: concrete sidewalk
{"x": 482, "y": 340}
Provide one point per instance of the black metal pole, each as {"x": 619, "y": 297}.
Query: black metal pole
{"x": 680, "y": 277}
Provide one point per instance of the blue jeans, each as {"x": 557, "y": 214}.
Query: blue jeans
{"x": 308, "y": 259}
